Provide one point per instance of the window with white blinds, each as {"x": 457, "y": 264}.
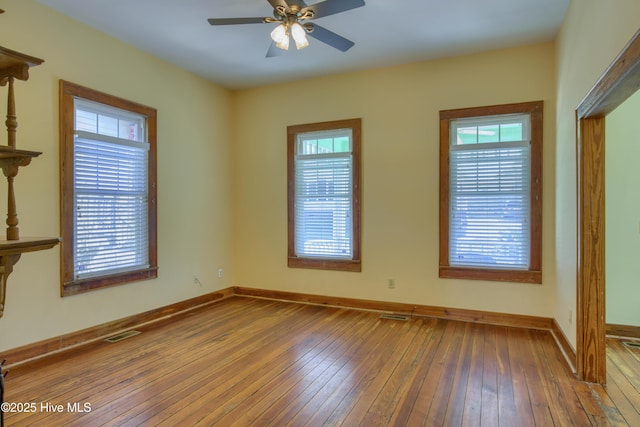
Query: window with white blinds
{"x": 108, "y": 176}
{"x": 489, "y": 192}
{"x": 323, "y": 183}
{"x": 110, "y": 199}
{"x": 323, "y": 194}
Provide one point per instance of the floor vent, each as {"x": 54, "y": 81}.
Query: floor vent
{"x": 122, "y": 336}
{"x": 632, "y": 344}
{"x": 394, "y": 317}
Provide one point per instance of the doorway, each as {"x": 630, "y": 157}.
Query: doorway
{"x": 619, "y": 82}
{"x": 622, "y": 226}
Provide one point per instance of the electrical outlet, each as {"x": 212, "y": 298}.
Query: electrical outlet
{"x": 220, "y": 273}
{"x": 391, "y": 284}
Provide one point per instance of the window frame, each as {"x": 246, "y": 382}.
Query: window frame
{"x": 69, "y": 285}
{"x": 354, "y": 264}
{"x": 534, "y": 273}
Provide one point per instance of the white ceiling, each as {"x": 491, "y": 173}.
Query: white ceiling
{"x": 385, "y": 32}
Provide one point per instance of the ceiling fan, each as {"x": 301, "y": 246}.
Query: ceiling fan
{"x": 291, "y": 15}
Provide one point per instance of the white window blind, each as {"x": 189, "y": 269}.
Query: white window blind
{"x": 489, "y": 219}
{"x": 110, "y": 191}
{"x": 323, "y": 195}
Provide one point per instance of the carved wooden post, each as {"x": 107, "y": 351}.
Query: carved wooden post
{"x": 12, "y": 122}
{"x": 13, "y": 233}
{"x": 10, "y": 169}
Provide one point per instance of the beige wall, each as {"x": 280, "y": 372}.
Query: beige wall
{"x": 194, "y": 185}
{"x": 593, "y": 34}
{"x": 399, "y": 110}
{"x": 623, "y": 213}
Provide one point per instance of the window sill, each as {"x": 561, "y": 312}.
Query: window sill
{"x": 325, "y": 264}
{"x": 78, "y": 286}
{"x": 519, "y": 276}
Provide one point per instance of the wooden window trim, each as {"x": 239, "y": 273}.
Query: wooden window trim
{"x": 68, "y": 285}
{"x": 534, "y": 273}
{"x": 294, "y": 261}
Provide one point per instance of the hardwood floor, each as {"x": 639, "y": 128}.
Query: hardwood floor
{"x": 245, "y": 361}
{"x": 622, "y": 392}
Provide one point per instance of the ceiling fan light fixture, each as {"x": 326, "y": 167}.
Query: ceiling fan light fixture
{"x": 280, "y": 36}
{"x": 283, "y": 44}
{"x": 291, "y": 19}
{"x": 299, "y": 36}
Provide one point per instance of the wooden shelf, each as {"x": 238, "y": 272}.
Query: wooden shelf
{"x": 27, "y": 244}
{"x": 12, "y": 153}
{"x": 10, "y": 252}
{"x": 15, "y": 64}
{"x": 12, "y": 159}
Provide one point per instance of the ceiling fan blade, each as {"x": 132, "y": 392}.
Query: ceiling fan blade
{"x": 276, "y": 3}
{"x": 274, "y": 50}
{"x": 234, "y": 21}
{"x": 300, "y": 3}
{"x": 331, "y": 7}
{"x": 330, "y": 38}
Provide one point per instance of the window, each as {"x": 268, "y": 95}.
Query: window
{"x": 324, "y": 195}
{"x": 491, "y": 193}
{"x": 108, "y": 197}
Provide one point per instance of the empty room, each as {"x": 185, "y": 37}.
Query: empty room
{"x": 338, "y": 212}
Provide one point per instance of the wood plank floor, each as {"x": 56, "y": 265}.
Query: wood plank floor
{"x": 245, "y": 361}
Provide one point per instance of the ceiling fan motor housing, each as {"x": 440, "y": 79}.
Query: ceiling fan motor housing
{"x": 291, "y": 14}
